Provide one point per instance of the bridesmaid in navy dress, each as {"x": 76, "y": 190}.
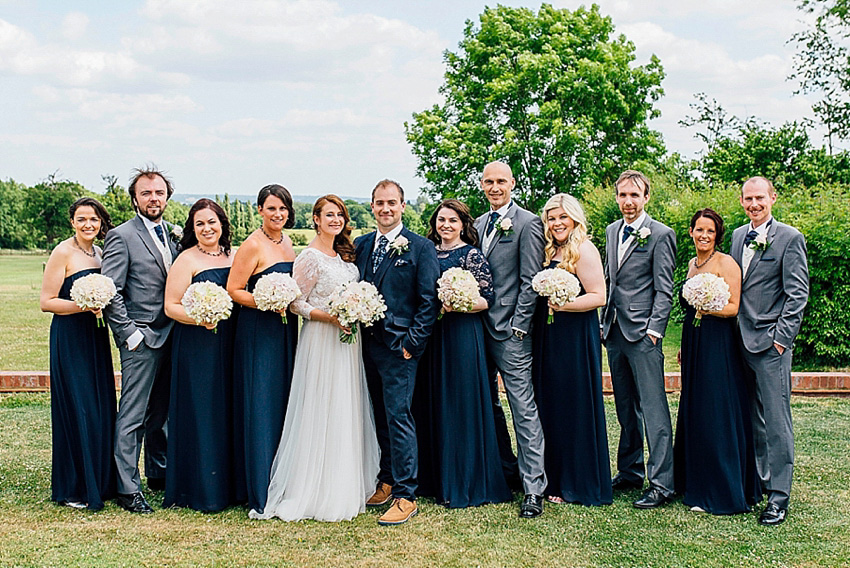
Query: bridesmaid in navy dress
{"x": 82, "y": 384}
{"x": 714, "y": 455}
{"x": 200, "y": 415}
{"x": 459, "y": 461}
{"x": 567, "y": 368}
{"x": 264, "y": 348}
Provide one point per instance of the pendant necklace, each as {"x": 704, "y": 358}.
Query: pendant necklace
{"x": 91, "y": 254}
{"x": 277, "y": 242}
{"x": 699, "y": 265}
{"x": 219, "y": 253}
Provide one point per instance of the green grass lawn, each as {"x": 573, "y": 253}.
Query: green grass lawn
{"x": 25, "y": 328}
{"x": 35, "y": 532}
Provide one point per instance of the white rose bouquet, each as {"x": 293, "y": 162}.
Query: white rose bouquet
{"x": 207, "y": 303}
{"x": 356, "y": 302}
{"x": 560, "y": 286}
{"x": 275, "y": 291}
{"x": 94, "y": 292}
{"x": 458, "y": 289}
{"x": 707, "y": 293}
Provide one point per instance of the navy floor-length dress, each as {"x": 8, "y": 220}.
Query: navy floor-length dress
{"x": 567, "y": 376}
{"x": 264, "y": 354}
{"x": 714, "y": 456}
{"x": 200, "y": 415}
{"x": 459, "y": 462}
{"x": 82, "y": 406}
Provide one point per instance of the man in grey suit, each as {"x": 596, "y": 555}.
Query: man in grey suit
{"x": 641, "y": 255}
{"x": 774, "y": 291}
{"x": 512, "y": 240}
{"x": 137, "y": 256}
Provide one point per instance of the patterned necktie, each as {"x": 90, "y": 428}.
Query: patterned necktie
{"x": 627, "y": 232}
{"x": 379, "y": 253}
{"x": 159, "y": 233}
{"x": 751, "y": 236}
{"x": 494, "y": 216}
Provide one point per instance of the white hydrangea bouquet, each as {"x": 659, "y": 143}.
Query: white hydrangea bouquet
{"x": 356, "y": 302}
{"x": 94, "y": 292}
{"x": 557, "y": 284}
{"x": 458, "y": 289}
{"x": 207, "y": 303}
{"x": 707, "y": 293}
{"x": 275, "y": 291}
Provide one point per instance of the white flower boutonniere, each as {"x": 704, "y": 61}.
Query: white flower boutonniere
{"x": 505, "y": 226}
{"x": 400, "y": 245}
{"x": 642, "y": 236}
{"x": 176, "y": 233}
{"x": 760, "y": 243}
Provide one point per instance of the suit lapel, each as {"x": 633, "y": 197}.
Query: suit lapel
{"x": 389, "y": 258}
{"x": 147, "y": 239}
{"x": 633, "y": 244}
{"x": 362, "y": 261}
{"x": 612, "y": 253}
{"x": 771, "y": 234}
{"x": 737, "y": 245}
{"x": 509, "y": 214}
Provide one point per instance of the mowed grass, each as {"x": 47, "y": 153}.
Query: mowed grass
{"x": 35, "y": 532}
{"x": 26, "y": 329}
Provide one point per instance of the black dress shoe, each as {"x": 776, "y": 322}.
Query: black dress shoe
{"x": 623, "y": 483}
{"x": 134, "y": 502}
{"x": 532, "y": 506}
{"x": 772, "y": 515}
{"x": 156, "y": 483}
{"x": 652, "y": 498}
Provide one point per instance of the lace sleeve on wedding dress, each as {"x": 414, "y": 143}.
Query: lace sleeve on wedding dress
{"x": 306, "y": 272}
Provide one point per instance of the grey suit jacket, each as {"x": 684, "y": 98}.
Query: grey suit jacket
{"x": 775, "y": 289}
{"x": 514, "y": 260}
{"x": 640, "y": 290}
{"x": 133, "y": 261}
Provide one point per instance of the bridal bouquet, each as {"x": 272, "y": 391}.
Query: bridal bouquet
{"x": 560, "y": 286}
{"x": 274, "y": 292}
{"x": 356, "y": 302}
{"x": 207, "y": 302}
{"x": 707, "y": 293}
{"x": 458, "y": 289}
{"x": 93, "y": 292}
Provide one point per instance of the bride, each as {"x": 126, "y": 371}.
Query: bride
{"x": 326, "y": 465}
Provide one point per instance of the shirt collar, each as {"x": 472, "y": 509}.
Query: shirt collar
{"x": 149, "y": 225}
{"x": 637, "y": 222}
{"x": 392, "y": 235}
{"x": 503, "y": 209}
{"x": 762, "y": 229}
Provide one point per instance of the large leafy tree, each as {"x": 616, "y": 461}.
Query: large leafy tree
{"x": 554, "y": 94}
{"x": 822, "y": 64}
{"x": 46, "y": 206}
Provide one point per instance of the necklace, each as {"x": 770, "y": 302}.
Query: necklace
{"x": 277, "y": 242}
{"x": 699, "y": 265}
{"x": 446, "y": 249}
{"x": 219, "y": 253}
{"x": 91, "y": 254}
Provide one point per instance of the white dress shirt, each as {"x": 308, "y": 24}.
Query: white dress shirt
{"x": 748, "y": 253}
{"x": 622, "y": 247}
{"x": 487, "y": 240}
{"x": 391, "y": 236}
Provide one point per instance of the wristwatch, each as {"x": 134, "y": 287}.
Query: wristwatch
{"x": 519, "y": 334}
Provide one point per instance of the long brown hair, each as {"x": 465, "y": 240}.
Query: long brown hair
{"x": 190, "y": 239}
{"x": 468, "y": 234}
{"x": 342, "y": 242}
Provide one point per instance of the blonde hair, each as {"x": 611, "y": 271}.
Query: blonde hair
{"x": 577, "y": 236}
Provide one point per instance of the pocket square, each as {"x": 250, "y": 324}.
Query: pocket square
{"x": 401, "y": 262}
{"x": 767, "y": 259}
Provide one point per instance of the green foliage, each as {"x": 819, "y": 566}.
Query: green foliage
{"x": 298, "y": 239}
{"x": 553, "y": 94}
{"x": 46, "y": 208}
{"x": 117, "y": 201}
{"x": 243, "y": 217}
{"x": 15, "y": 232}
{"x": 361, "y": 215}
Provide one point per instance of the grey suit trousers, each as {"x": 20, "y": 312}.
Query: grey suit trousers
{"x": 772, "y": 428}
{"x": 513, "y": 358}
{"x": 637, "y": 375}
{"x": 142, "y": 414}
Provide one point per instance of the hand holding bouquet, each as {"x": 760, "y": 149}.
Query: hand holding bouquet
{"x": 93, "y": 292}
{"x": 274, "y": 292}
{"x": 356, "y": 302}
{"x": 207, "y": 303}
{"x": 707, "y": 293}
{"x": 458, "y": 289}
{"x": 560, "y": 286}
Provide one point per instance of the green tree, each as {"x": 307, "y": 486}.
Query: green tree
{"x": 822, "y": 64}
{"x": 554, "y": 94}
{"x": 15, "y": 230}
{"x": 361, "y": 215}
{"x": 116, "y": 200}
{"x": 46, "y": 208}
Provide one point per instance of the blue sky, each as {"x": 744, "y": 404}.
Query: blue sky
{"x": 229, "y": 96}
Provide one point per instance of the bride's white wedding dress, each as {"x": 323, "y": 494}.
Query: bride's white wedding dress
{"x": 326, "y": 465}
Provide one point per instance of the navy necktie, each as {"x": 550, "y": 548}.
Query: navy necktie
{"x": 494, "y": 216}
{"x": 627, "y": 232}
{"x": 379, "y": 253}
{"x": 751, "y": 236}
{"x": 159, "y": 233}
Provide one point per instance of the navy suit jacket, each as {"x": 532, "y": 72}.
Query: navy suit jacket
{"x": 408, "y": 283}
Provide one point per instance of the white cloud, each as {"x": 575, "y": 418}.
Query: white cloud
{"x": 75, "y": 25}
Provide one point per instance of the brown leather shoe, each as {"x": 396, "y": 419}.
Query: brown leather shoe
{"x": 400, "y": 512}
{"x": 382, "y": 496}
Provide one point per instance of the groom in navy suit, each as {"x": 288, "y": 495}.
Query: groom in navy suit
{"x": 404, "y": 268}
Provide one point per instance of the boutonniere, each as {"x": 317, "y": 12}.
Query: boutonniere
{"x": 505, "y": 226}
{"x": 400, "y": 245}
{"x": 176, "y": 233}
{"x": 642, "y": 236}
{"x": 760, "y": 243}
